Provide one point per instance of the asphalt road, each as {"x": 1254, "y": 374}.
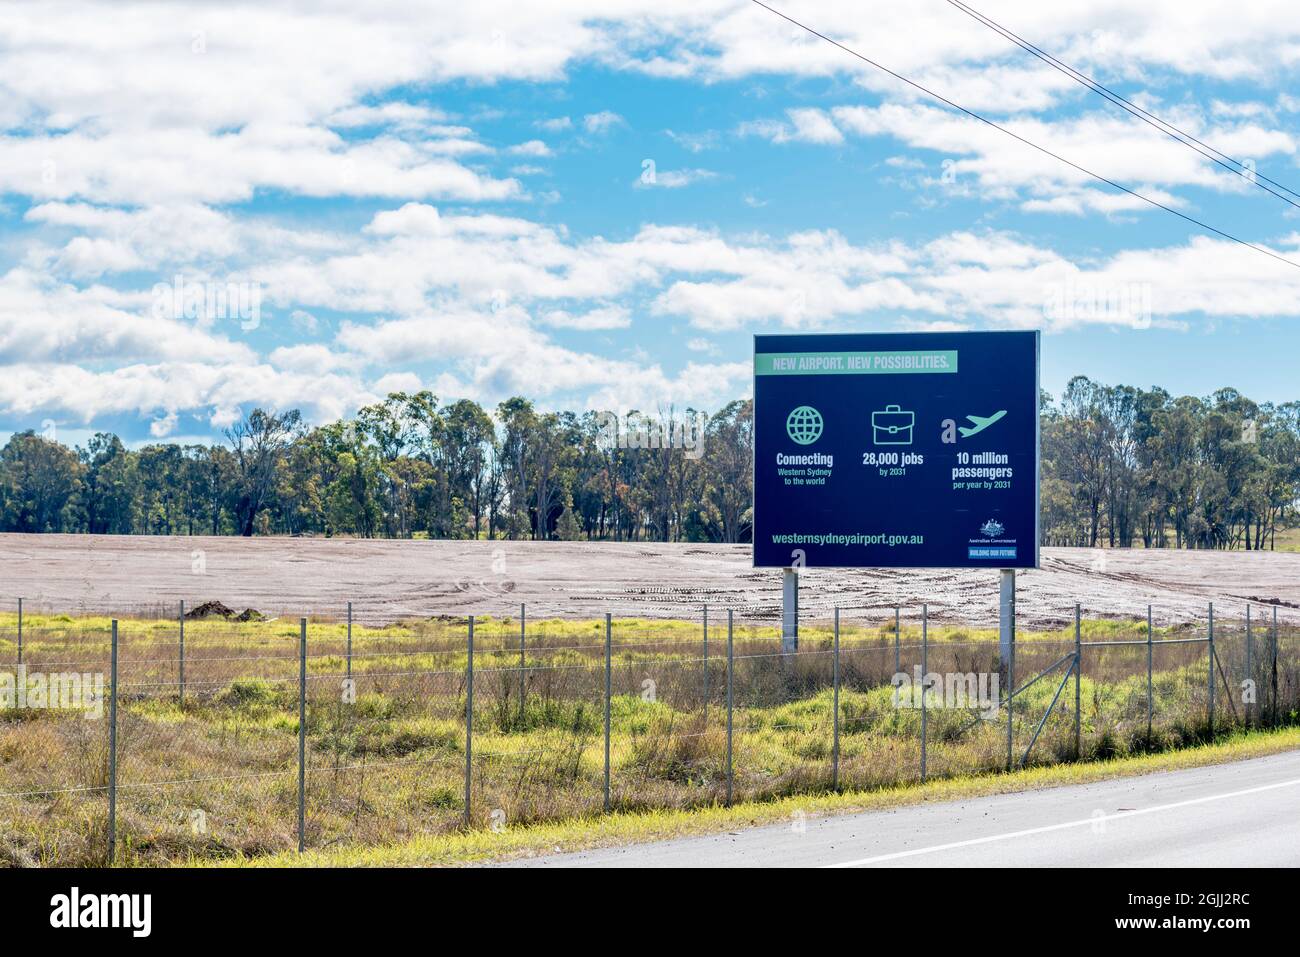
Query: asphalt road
{"x": 1243, "y": 814}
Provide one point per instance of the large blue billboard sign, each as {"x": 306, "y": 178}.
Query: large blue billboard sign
{"x": 903, "y": 450}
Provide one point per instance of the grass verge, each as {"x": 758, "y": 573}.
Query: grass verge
{"x": 481, "y": 846}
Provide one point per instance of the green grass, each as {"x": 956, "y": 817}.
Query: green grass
{"x": 1288, "y": 540}
{"x": 387, "y": 769}
{"x": 585, "y": 833}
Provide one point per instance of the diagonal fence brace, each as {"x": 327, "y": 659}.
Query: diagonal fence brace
{"x": 1051, "y": 707}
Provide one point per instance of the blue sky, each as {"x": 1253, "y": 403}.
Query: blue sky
{"x": 598, "y": 205}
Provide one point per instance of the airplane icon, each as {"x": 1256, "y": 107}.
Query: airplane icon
{"x": 981, "y": 423}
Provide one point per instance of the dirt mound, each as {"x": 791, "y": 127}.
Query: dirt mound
{"x": 211, "y": 609}
{"x": 216, "y": 609}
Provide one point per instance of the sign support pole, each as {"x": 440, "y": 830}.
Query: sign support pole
{"x": 1006, "y": 615}
{"x": 1007, "y": 648}
{"x": 789, "y": 611}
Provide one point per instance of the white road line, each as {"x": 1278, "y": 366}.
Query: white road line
{"x": 1060, "y": 827}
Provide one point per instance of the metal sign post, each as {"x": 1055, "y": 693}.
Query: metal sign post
{"x": 789, "y": 611}
{"x": 1006, "y": 615}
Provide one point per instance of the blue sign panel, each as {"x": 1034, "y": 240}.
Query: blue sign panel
{"x": 896, "y": 450}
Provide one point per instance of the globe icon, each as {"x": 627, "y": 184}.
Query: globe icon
{"x": 804, "y": 425}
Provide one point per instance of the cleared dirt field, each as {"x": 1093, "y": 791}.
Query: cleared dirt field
{"x": 392, "y": 580}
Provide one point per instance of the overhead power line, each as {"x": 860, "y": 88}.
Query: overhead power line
{"x": 1173, "y": 132}
{"x": 1042, "y": 149}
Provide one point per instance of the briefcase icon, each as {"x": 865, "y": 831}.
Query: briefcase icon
{"x": 893, "y": 426}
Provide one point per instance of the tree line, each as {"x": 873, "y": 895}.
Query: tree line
{"x": 406, "y": 467}
{"x": 1120, "y": 465}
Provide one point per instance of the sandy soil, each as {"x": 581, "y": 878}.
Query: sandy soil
{"x": 387, "y": 580}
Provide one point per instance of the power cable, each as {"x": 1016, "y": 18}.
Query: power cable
{"x": 1042, "y": 149}
{"x": 1187, "y": 139}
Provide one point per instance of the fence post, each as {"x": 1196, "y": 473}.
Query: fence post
{"x": 706, "y": 666}
{"x": 1250, "y": 672}
{"x": 1150, "y": 680}
{"x": 349, "y": 639}
{"x": 925, "y": 675}
{"x": 180, "y": 670}
{"x": 1210, "y": 655}
{"x": 897, "y": 666}
{"x": 608, "y": 673}
{"x": 835, "y": 746}
{"x": 1011, "y": 686}
{"x": 1276, "y": 715}
{"x": 730, "y": 668}
{"x": 1078, "y": 685}
{"x": 20, "y": 631}
{"x": 112, "y": 750}
{"x": 302, "y": 734}
{"x": 523, "y": 665}
{"x": 469, "y": 719}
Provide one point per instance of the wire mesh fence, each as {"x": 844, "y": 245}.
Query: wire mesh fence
{"x": 213, "y": 738}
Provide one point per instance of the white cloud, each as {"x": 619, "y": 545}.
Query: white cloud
{"x": 311, "y": 358}
{"x": 530, "y": 148}
{"x": 458, "y": 294}
{"x": 672, "y": 178}
{"x": 605, "y": 317}
{"x": 806, "y": 125}
{"x": 164, "y": 426}
{"x": 114, "y": 240}
{"x": 216, "y": 105}
{"x": 602, "y": 122}
{"x": 695, "y": 142}
{"x": 814, "y": 126}
{"x": 304, "y": 321}
{"x": 192, "y": 166}
{"x": 394, "y": 113}
{"x": 143, "y": 389}
{"x": 42, "y": 320}
{"x": 1121, "y": 149}
{"x": 398, "y": 382}
{"x": 499, "y": 354}
{"x": 557, "y": 124}
{"x": 284, "y": 63}
{"x": 417, "y": 258}
{"x": 134, "y": 145}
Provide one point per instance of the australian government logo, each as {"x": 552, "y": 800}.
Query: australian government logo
{"x": 992, "y": 542}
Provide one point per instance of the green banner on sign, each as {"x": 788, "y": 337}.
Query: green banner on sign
{"x": 854, "y": 363}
